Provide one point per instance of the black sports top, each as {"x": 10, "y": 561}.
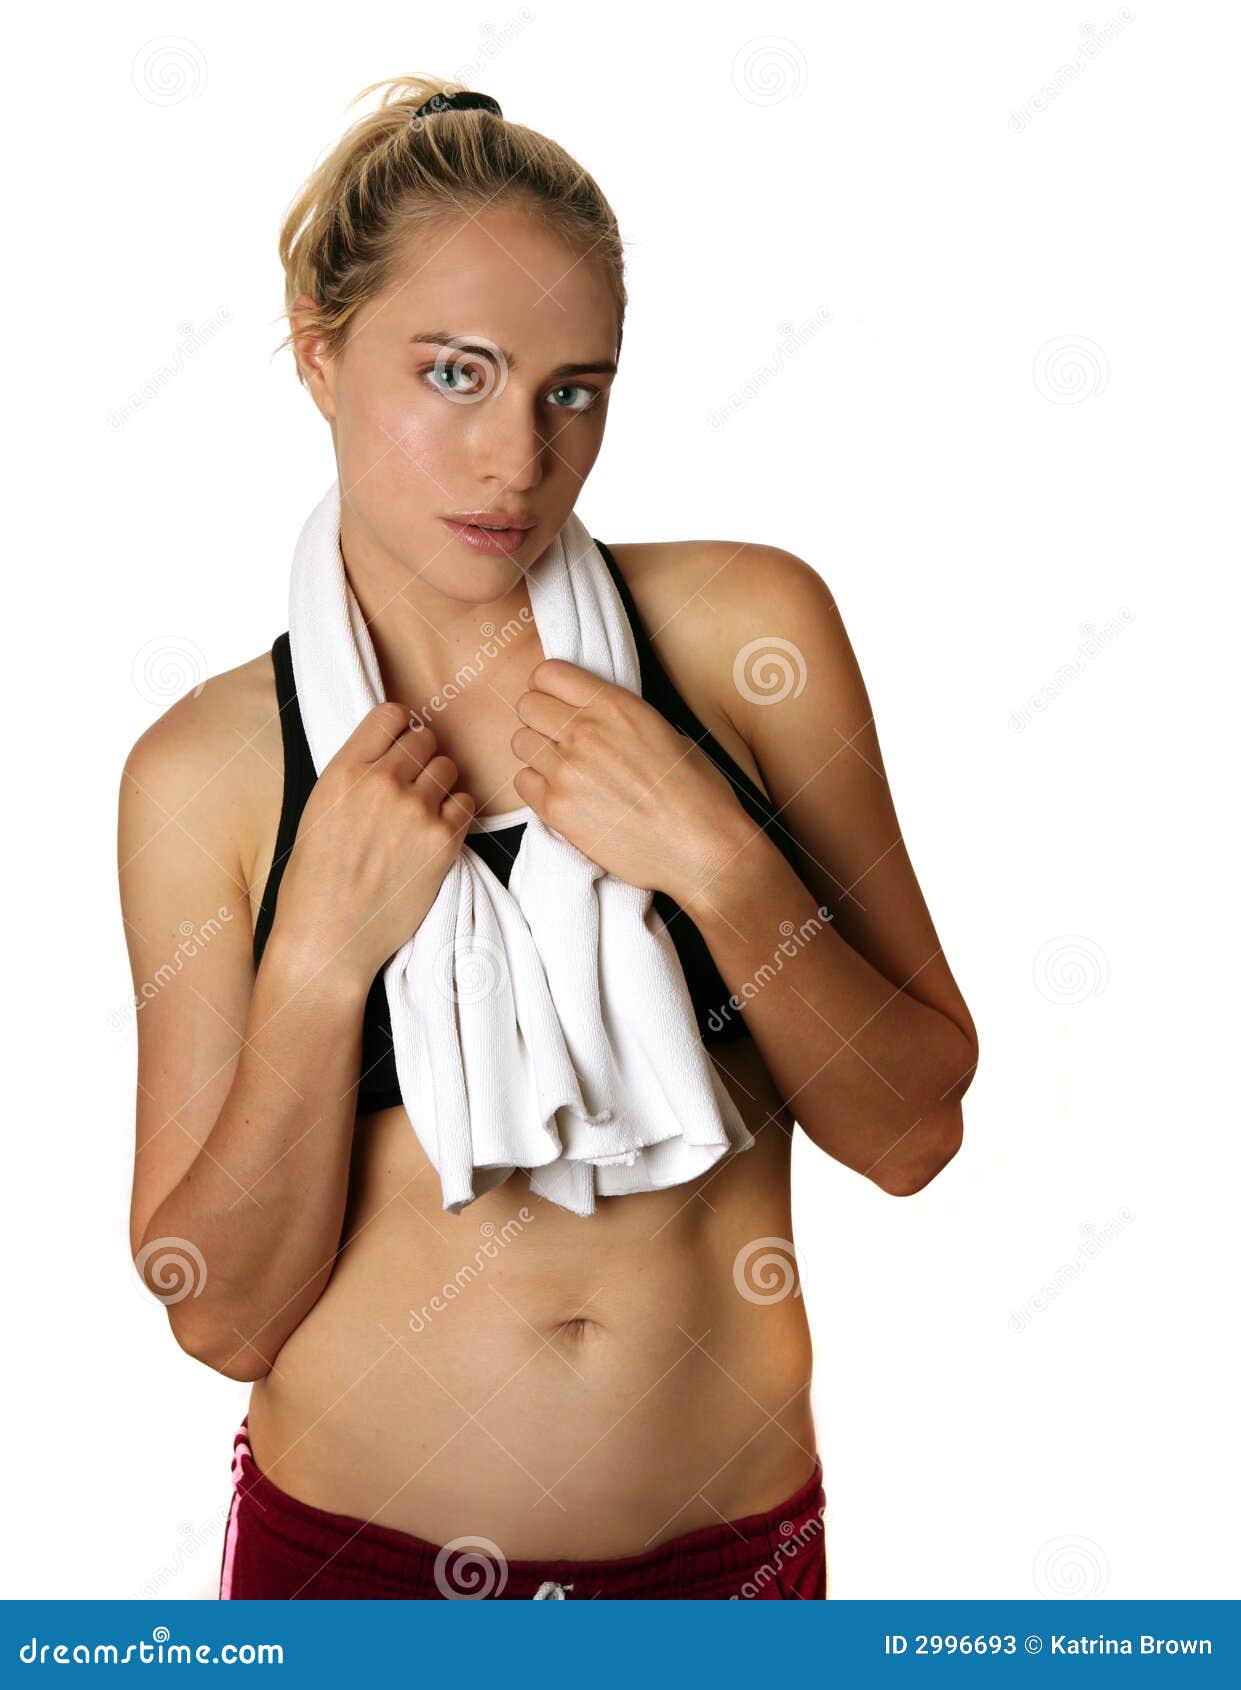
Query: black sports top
{"x": 718, "y": 1021}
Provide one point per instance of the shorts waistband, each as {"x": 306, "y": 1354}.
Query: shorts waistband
{"x": 465, "y": 1566}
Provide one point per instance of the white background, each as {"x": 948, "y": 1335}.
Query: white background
{"x": 1001, "y": 519}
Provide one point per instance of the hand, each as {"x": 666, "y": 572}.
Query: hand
{"x": 612, "y": 775}
{"x": 379, "y": 832}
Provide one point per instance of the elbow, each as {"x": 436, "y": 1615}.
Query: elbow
{"x": 196, "y": 1329}
{"x": 958, "y": 1066}
{"x": 228, "y": 1352}
{"x": 934, "y": 1150}
{"x": 232, "y": 1356}
{"x": 937, "y": 1136}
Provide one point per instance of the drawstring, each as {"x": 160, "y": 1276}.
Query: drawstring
{"x": 550, "y": 1589}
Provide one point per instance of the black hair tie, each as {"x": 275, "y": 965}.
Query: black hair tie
{"x": 458, "y": 102}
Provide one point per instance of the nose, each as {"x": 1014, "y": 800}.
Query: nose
{"x": 510, "y": 443}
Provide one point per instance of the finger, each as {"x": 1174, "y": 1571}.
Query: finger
{"x": 568, "y": 681}
{"x": 533, "y": 793}
{"x": 536, "y": 751}
{"x": 410, "y": 752}
{"x": 458, "y": 809}
{"x": 436, "y": 781}
{"x": 549, "y": 714}
{"x": 377, "y": 731}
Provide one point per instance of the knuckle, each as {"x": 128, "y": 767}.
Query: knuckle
{"x": 333, "y": 784}
{"x": 624, "y": 708}
{"x": 586, "y": 732}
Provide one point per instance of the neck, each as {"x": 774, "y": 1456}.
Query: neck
{"x": 434, "y": 650}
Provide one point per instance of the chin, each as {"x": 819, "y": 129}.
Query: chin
{"x": 479, "y": 582}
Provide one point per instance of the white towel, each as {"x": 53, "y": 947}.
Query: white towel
{"x": 547, "y": 1025}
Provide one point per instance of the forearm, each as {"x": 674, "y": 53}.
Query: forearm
{"x": 874, "y": 1077}
{"x": 263, "y": 1202}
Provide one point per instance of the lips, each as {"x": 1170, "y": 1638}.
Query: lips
{"x": 491, "y": 519}
{"x": 493, "y": 540}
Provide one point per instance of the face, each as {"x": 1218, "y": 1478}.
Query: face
{"x": 472, "y": 384}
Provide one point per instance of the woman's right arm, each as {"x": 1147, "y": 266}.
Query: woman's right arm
{"x": 247, "y": 1083}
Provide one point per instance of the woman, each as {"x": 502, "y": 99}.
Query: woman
{"x": 511, "y": 1400}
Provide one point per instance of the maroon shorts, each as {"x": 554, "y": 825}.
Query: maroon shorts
{"x": 278, "y": 1547}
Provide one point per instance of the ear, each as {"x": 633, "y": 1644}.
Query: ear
{"x": 310, "y": 351}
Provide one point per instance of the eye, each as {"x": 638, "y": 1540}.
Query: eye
{"x": 593, "y": 394}
{"x": 462, "y": 379}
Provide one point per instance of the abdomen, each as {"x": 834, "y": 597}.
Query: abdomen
{"x": 563, "y": 1386}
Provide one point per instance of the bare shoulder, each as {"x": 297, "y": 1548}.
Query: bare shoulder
{"x": 194, "y": 790}
{"x": 209, "y": 767}
{"x": 703, "y": 602}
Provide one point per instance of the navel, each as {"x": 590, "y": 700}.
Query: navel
{"x": 575, "y": 1329}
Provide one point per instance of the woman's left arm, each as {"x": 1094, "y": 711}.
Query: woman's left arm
{"x": 858, "y": 1017}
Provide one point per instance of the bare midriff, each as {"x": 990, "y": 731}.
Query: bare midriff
{"x": 566, "y": 1387}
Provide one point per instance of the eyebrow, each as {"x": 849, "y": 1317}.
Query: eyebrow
{"x": 441, "y": 337}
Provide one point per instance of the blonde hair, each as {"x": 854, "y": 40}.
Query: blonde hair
{"x": 392, "y": 175}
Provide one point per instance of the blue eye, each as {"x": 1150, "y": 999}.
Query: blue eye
{"x": 462, "y": 379}
{"x": 469, "y": 383}
{"x": 578, "y": 387}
